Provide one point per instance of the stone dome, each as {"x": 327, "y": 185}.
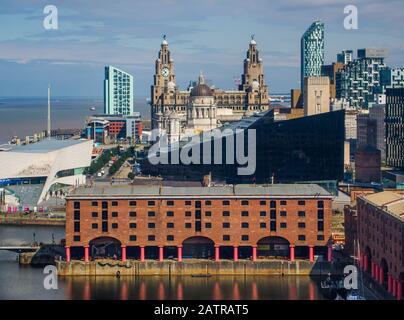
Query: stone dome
{"x": 201, "y": 90}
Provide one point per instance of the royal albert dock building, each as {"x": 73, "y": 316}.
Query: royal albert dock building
{"x": 284, "y": 221}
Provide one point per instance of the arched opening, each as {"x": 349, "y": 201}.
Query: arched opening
{"x": 105, "y": 247}
{"x": 384, "y": 272}
{"x": 198, "y": 247}
{"x": 273, "y": 247}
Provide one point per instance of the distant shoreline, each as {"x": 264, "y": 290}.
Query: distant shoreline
{"x": 17, "y": 221}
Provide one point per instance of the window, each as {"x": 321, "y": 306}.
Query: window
{"x": 208, "y": 203}
{"x": 301, "y": 225}
{"x": 273, "y": 214}
{"x": 244, "y": 237}
{"x": 263, "y": 225}
{"x": 132, "y": 225}
{"x": 151, "y": 225}
{"x": 226, "y": 237}
{"x": 283, "y": 225}
{"x": 226, "y": 225}
{"x": 320, "y": 225}
{"x": 170, "y": 238}
{"x": 301, "y": 202}
{"x": 188, "y": 213}
{"x": 198, "y": 226}
{"x": 244, "y": 202}
{"x": 208, "y": 213}
{"x": 244, "y": 213}
{"x": 208, "y": 225}
{"x": 114, "y": 214}
{"x": 244, "y": 225}
{"x": 170, "y": 203}
{"x": 105, "y": 205}
{"x": 226, "y": 202}
{"x": 263, "y": 203}
{"x": 151, "y": 214}
{"x": 301, "y": 237}
{"x": 94, "y": 226}
{"x": 77, "y": 227}
{"x": 272, "y": 204}
{"x": 132, "y": 237}
{"x": 151, "y": 203}
{"x": 188, "y": 225}
{"x": 188, "y": 203}
{"x": 104, "y": 226}
{"x": 320, "y": 237}
{"x": 320, "y": 204}
{"x": 263, "y": 214}
{"x": 76, "y": 238}
{"x": 132, "y": 214}
{"x": 272, "y": 226}
{"x": 94, "y": 203}
{"x": 197, "y": 204}
{"x": 301, "y": 213}
{"x": 104, "y": 215}
{"x": 94, "y": 214}
{"x": 197, "y": 214}
{"x": 170, "y": 225}
{"x": 226, "y": 213}
{"x": 283, "y": 214}
{"x": 76, "y": 205}
{"x": 284, "y": 202}
{"x": 170, "y": 213}
{"x": 114, "y": 203}
{"x": 132, "y": 204}
{"x": 114, "y": 226}
{"x": 76, "y": 215}
{"x": 320, "y": 214}
{"x": 151, "y": 237}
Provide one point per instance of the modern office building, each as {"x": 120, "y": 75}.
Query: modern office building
{"x": 303, "y": 149}
{"x": 345, "y": 57}
{"x": 330, "y": 71}
{"x": 312, "y": 52}
{"x": 316, "y": 95}
{"x": 392, "y": 78}
{"x": 395, "y": 128}
{"x": 33, "y": 171}
{"x": 216, "y": 222}
{"x": 358, "y": 83}
{"x": 118, "y": 92}
{"x": 380, "y": 221}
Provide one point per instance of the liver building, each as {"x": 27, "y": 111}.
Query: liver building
{"x": 169, "y": 103}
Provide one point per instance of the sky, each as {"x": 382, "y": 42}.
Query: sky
{"x": 204, "y": 35}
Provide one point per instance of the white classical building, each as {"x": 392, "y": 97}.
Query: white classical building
{"x": 45, "y": 166}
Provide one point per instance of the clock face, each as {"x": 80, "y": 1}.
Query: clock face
{"x": 165, "y": 72}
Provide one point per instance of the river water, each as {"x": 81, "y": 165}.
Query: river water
{"x": 24, "y": 282}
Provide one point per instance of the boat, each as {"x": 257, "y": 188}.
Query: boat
{"x": 92, "y": 108}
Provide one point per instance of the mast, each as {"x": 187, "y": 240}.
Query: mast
{"x": 49, "y": 108}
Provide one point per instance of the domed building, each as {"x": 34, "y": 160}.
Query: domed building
{"x": 201, "y": 110}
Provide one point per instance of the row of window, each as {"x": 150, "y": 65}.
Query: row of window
{"x": 244, "y": 237}
{"x": 150, "y": 203}
{"x": 132, "y": 214}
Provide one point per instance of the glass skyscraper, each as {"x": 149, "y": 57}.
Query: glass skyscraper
{"x": 312, "y": 51}
{"x": 118, "y": 92}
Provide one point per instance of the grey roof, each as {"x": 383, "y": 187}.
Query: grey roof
{"x": 45, "y": 146}
{"x": 227, "y": 190}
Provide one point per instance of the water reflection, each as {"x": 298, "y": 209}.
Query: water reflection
{"x": 180, "y": 287}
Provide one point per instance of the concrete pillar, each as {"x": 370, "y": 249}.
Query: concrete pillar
{"x": 399, "y": 290}
{"x": 389, "y": 284}
{"x": 67, "y": 253}
{"x": 254, "y": 253}
{"x": 161, "y": 253}
{"x": 381, "y": 275}
{"x": 376, "y": 272}
{"x": 311, "y": 253}
{"x": 235, "y": 253}
{"x": 179, "y": 254}
{"x": 141, "y": 254}
{"x": 329, "y": 253}
{"x": 217, "y": 253}
{"x": 86, "y": 254}
{"x": 394, "y": 286}
{"x": 123, "y": 247}
{"x": 292, "y": 253}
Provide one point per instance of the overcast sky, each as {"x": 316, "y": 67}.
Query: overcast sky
{"x": 208, "y": 35}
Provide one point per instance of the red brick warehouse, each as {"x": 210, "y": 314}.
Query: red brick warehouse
{"x": 236, "y": 222}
